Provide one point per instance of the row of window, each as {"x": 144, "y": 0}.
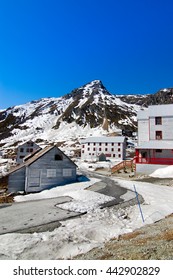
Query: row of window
{"x": 28, "y": 150}
{"x": 101, "y": 149}
{"x": 52, "y": 173}
{"x": 100, "y": 144}
{"x": 107, "y": 155}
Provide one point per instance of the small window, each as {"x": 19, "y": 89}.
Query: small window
{"x": 58, "y": 157}
{"x": 100, "y": 149}
{"x": 119, "y": 149}
{"x": 88, "y": 144}
{"x": 106, "y": 144}
{"x": 112, "y": 144}
{"x": 88, "y": 149}
{"x": 119, "y": 144}
{"x": 27, "y": 150}
{"x": 67, "y": 172}
{"x": 113, "y": 155}
{"x": 94, "y": 144}
{"x": 158, "y": 151}
{"x": 21, "y": 156}
{"x": 51, "y": 173}
{"x": 119, "y": 155}
{"x": 158, "y": 135}
{"x": 94, "y": 149}
{"x": 100, "y": 144}
{"x": 112, "y": 149}
{"x": 106, "y": 149}
{"x": 21, "y": 150}
{"x": 158, "y": 120}
{"x": 31, "y": 150}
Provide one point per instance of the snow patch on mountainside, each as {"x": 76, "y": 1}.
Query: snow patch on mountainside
{"x": 69, "y": 118}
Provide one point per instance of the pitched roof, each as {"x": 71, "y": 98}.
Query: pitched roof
{"x": 36, "y": 156}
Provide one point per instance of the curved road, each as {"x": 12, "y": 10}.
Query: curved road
{"x": 44, "y": 215}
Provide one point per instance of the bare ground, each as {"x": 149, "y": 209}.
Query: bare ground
{"x": 151, "y": 242}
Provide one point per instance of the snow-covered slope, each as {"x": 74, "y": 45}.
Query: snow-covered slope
{"x": 79, "y": 114}
{"x": 66, "y": 119}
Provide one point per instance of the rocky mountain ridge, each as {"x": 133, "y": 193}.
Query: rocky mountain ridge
{"x": 76, "y": 115}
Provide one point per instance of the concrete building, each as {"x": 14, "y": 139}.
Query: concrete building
{"x": 26, "y": 149}
{"x": 103, "y": 148}
{"x": 155, "y": 138}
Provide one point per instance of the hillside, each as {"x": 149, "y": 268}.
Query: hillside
{"x": 79, "y": 114}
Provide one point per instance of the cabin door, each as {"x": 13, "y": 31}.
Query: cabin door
{"x": 33, "y": 178}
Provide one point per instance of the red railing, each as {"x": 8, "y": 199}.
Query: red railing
{"x": 166, "y": 161}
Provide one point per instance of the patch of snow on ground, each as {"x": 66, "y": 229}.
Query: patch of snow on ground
{"x": 84, "y": 200}
{"x": 166, "y": 172}
{"x": 91, "y": 230}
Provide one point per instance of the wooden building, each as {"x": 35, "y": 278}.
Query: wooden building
{"x": 47, "y": 168}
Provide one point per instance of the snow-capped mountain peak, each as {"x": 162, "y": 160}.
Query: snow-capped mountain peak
{"x": 76, "y": 115}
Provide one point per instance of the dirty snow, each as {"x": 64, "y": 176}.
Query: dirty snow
{"x": 91, "y": 230}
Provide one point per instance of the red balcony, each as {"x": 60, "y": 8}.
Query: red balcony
{"x": 162, "y": 161}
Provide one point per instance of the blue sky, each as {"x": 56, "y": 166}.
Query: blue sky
{"x": 50, "y": 47}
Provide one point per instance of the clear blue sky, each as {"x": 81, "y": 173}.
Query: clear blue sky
{"x": 50, "y": 47}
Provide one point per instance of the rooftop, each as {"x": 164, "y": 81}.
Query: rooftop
{"x": 156, "y": 111}
{"x": 104, "y": 139}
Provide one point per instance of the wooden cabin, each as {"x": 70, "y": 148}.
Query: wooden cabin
{"x": 47, "y": 168}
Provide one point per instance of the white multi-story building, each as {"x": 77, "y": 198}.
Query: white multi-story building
{"x": 100, "y": 148}
{"x": 26, "y": 149}
{"x": 155, "y": 138}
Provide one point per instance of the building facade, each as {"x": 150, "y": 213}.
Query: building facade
{"x": 26, "y": 149}
{"x": 100, "y": 148}
{"x": 155, "y": 138}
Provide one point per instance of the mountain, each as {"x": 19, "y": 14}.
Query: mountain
{"x": 163, "y": 96}
{"x": 88, "y": 110}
